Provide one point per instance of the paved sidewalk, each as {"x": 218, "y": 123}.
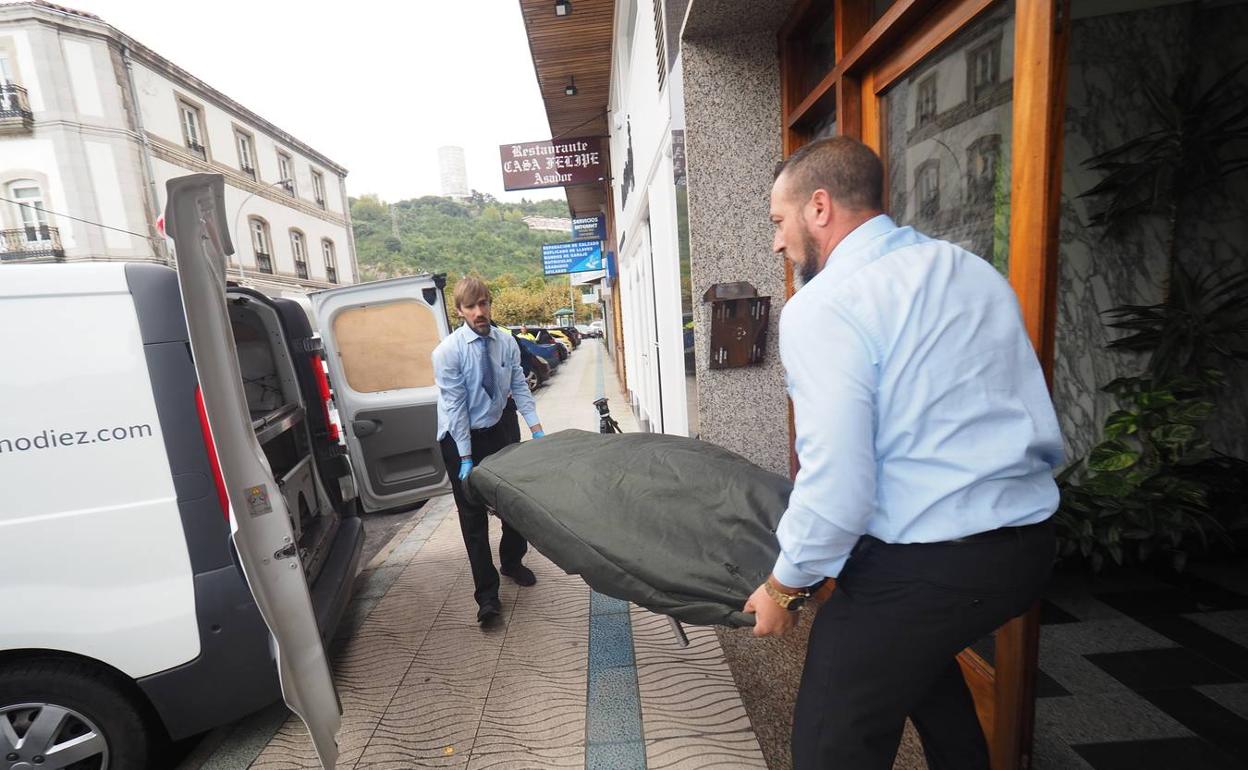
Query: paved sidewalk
{"x": 569, "y": 679}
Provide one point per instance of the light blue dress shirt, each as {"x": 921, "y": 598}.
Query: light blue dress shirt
{"x": 921, "y": 410}
{"x": 463, "y": 405}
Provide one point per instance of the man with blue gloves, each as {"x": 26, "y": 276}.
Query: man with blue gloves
{"x": 481, "y": 386}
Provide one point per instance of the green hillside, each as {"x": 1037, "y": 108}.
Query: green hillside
{"x": 440, "y": 235}
{"x": 479, "y": 235}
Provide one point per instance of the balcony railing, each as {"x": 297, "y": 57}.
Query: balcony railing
{"x": 264, "y": 263}
{"x": 33, "y": 242}
{"x": 301, "y": 269}
{"x": 197, "y": 149}
{"x": 331, "y": 274}
{"x": 249, "y": 171}
{"x": 320, "y": 202}
{"x": 288, "y": 186}
{"x": 15, "y": 114}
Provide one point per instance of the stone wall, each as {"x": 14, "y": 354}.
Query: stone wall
{"x": 732, "y": 116}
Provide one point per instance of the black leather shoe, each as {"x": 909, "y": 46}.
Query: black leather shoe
{"x": 521, "y": 574}
{"x": 489, "y": 612}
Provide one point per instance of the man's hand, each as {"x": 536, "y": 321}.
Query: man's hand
{"x": 465, "y": 467}
{"x": 536, "y": 431}
{"x": 770, "y": 619}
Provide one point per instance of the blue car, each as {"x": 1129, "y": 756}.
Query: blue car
{"x": 548, "y": 353}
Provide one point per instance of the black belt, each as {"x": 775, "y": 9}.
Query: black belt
{"x": 1001, "y": 533}
{"x": 993, "y": 535}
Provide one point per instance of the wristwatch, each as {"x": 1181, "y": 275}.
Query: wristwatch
{"x": 791, "y": 602}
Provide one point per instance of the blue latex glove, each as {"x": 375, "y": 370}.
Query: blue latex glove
{"x": 465, "y": 467}
{"x": 539, "y": 434}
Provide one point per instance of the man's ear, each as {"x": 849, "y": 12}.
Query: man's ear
{"x": 821, "y": 208}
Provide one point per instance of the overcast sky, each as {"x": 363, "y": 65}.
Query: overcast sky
{"x": 376, "y": 86}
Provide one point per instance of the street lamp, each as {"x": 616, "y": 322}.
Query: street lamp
{"x": 239, "y": 213}
{"x": 570, "y": 88}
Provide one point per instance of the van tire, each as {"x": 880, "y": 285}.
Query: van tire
{"x": 91, "y": 693}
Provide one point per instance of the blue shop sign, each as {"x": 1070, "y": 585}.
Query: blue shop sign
{"x": 571, "y": 257}
{"x": 589, "y": 228}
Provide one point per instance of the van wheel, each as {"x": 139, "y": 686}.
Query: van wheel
{"x": 65, "y": 714}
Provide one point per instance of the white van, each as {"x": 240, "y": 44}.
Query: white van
{"x": 179, "y": 520}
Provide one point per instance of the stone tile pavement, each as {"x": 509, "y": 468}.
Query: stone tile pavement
{"x": 568, "y": 679}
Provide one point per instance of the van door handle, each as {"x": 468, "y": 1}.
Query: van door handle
{"x": 364, "y": 428}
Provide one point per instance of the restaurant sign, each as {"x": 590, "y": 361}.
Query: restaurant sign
{"x": 553, "y": 163}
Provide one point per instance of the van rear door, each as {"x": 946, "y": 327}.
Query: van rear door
{"x": 259, "y": 522}
{"x": 379, "y": 339}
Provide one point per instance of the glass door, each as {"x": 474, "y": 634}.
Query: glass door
{"x": 945, "y": 91}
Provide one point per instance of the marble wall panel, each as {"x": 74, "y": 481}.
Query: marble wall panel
{"x": 732, "y": 112}
{"x": 1109, "y": 55}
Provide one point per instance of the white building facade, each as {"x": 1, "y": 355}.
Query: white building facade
{"x": 92, "y": 126}
{"x": 647, "y": 170}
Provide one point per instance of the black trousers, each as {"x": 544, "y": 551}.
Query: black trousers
{"x": 474, "y": 522}
{"x": 884, "y": 645}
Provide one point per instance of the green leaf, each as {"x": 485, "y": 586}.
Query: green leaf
{"x": 1097, "y": 561}
{"x": 1121, "y": 423}
{"x": 1122, "y": 386}
{"x": 1192, "y": 412}
{"x": 1173, "y": 435}
{"x": 1109, "y": 485}
{"x": 1112, "y": 456}
{"x": 1154, "y": 399}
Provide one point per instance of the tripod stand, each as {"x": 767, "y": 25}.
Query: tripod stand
{"x": 606, "y": 423}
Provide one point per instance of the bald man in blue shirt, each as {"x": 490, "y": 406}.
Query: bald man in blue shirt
{"x": 927, "y": 443}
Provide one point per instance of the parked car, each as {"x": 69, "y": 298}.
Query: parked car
{"x": 547, "y": 353}
{"x": 571, "y": 333}
{"x": 536, "y": 370}
{"x": 180, "y": 515}
{"x": 559, "y": 336}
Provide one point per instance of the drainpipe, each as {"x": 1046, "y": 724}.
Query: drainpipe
{"x": 346, "y": 213}
{"x": 149, "y": 172}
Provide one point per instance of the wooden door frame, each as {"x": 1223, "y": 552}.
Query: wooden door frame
{"x": 870, "y": 58}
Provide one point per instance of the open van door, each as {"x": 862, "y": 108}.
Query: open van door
{"x": 379, "y": 339}
{"x": 259, "y": 523}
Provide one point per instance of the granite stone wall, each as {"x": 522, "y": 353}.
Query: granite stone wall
{"x": 732, "y": 114}
{"x": 1109, "y": 56}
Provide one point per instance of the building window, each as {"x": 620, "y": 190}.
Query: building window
{"x": 286, "y": 172}
{"x": 927, "y": 188}
{"x": 261, "y": 245}
{"x": 6, "y": 69}
{"x": 985, "y": 69}
{"x": 192, "y": 129}
{"x": 31, "y": 214}
{"x": 660, "y": 45}
{"x": 246, "y": 152}
{"x": 318, "y": 187}
{"x": 299, "y": 249}
{"x": 331, "y": 260}
{"x": 983, "y": 157}
{"x": 925, "y": 106}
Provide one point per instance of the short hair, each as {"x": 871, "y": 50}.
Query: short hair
{"x": 469, "y": 291}
{"x": 849, "y": 170}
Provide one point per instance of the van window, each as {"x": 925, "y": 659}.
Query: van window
{"x": 388, "y": 346}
